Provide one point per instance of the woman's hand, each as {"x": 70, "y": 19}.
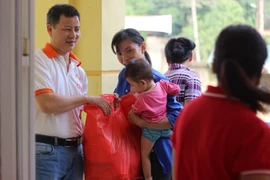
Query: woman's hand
{"x": 135, "y": 119}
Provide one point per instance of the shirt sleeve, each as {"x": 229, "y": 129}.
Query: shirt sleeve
{"x": 254, "y": 152}
{"x": 122, "y": 87}
{"x": 171, "y": 88}
{"x": 116, "y": 90}
{"x": 84, "y": 83}
{"x": 173, "y": 107}
{"x": 193, "y": 88}
{"x": 139, "y": 106}
{"x": 43, "y": 80}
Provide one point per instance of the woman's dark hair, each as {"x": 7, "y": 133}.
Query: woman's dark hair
{"x": 178, "y": 50}
{"x": 131, "y": 34}
{"x": 54, "y": 13}
{"x": 138, "y": 69}
{"x": 240, "y": 53}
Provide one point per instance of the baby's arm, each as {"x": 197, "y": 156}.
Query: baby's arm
{"x": 171, "y": 88}
{"x": 137, "y": 120}
{"x": 138, "y": 106}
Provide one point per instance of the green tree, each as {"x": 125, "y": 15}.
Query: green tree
{"x": 138, "y": 7}
{"x": 221, "y": 14}
{"x": 179, "y": 9}
{"x": 267, "y": 19}
{"x": 213, "y": 15}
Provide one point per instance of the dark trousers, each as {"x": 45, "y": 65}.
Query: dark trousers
{"x": 156, "y": 169}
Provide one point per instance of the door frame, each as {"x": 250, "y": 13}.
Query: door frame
{"x": 17, "y": 150}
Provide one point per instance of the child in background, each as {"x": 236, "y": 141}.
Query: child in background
{"x": 150, "y": 105}
{"x": 218, "y": 135}
{"x": 178, "y": 52}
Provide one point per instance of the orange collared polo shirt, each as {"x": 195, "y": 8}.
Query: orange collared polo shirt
{"x": 52, "y": 76}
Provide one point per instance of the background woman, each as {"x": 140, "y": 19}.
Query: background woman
{"x": 178, "y": 52}
{"x": 128, "y": 44}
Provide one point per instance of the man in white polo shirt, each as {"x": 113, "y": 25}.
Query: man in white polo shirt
{"x": 60, "y": 91}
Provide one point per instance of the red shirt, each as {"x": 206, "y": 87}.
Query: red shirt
{"x": 216, "y": 138}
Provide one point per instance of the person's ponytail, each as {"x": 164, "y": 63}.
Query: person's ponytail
{"x": 237, "y": 84}
{"x": 147, "y": 57}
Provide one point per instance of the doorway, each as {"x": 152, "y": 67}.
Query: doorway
{"x": 17, "y": 159}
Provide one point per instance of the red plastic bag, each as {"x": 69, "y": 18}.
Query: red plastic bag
{"x": 111, "y": 144}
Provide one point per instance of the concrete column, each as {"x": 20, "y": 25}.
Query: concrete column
{"x": 100, "y": 20}
{"x": 41, "y": 9}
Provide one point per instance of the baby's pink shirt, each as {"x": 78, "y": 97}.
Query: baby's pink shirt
{"x": 151, "y": 105}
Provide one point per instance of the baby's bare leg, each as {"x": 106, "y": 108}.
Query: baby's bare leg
{"x": 146, "y": 147}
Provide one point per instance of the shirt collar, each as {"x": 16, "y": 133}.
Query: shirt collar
{"x": 215, "y": 89}
{"x": 215, "y": 92}
{"x": 51, "y": 53}
{"x": 177, "y": 66}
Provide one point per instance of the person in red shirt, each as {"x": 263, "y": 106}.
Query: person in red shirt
{"x": 218, "y": 135}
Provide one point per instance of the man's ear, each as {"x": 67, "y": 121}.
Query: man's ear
{"x": 49, "y": 29}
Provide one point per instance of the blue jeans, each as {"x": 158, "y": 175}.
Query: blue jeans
{"x": 58, "y": 162}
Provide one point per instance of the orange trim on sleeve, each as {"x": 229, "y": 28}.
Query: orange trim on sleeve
{"x": 41, "y": 91}
{"x": 51, "y": 53}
